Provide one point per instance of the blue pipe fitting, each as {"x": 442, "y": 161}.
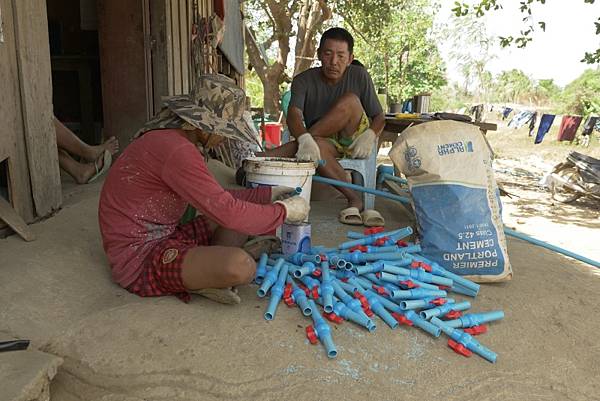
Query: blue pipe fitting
{"x": 475, "y": 319}
{"x": 406, "y": 261}
{"x": 340, "y": 309}
{"x": 300, "y": 298}
{"x": 466, "y": 340}
{"x": 370, "y": 268}
{"x": 276, "y": 293}
{"x": 299, "y": 258}
{"x": 440, "y": 271}
{"x": 351, "y": 302}
{"x": 261, "y": 269}
{"x": 306, "y": 269}
{"x": 323, "y": 331}
{"x": 421, "y": 303}
{"x": 355, "y": 235}
{"x": 422, "y": 323}
{"x": 370, "y": 239}
{"x": 390, "y": 278}
{"x": 326, "y": 288}
{"x": 312, "y": 284}
{"x": 417, "y": 293}
{"x": 388, "y": 304}
{"x": 443, "y": 309}
{"x": 377, "y": 307}
{"x": 270, "y": 278}
{"x": 356, "y": 285}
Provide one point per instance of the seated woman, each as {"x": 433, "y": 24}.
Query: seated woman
{"x": 162, "y": 171}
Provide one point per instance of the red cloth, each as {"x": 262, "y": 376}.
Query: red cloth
{"x": 568, "y": 128}
{"x": 161, "y": 270}
{"x": 147, "y": 191}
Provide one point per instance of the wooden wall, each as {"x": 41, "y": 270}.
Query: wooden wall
{"x": 27, "y": 138}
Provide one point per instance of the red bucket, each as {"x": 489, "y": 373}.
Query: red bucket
{"x": 272, "y": 135}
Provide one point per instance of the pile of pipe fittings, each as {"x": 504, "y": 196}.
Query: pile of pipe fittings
{"x": 374, "y": 274}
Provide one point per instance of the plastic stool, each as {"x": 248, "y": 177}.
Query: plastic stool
{"x": 364, "y": 172}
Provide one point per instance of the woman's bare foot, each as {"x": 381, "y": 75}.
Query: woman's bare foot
{"x": 111, "y": 144}
{"x": 85, "y": 171}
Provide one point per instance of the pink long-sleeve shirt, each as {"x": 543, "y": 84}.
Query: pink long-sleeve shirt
{"x": 148, "y": 189}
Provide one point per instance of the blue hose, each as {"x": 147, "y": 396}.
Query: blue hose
{"x": 554, "y": 248}
{"x": 360, "y": 188}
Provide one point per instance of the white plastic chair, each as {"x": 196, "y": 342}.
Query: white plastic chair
{"x": 364, "y": 172}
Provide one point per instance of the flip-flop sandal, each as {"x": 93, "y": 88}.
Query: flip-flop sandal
{"x": 372, "y": 218}
{"x": 262, "y": 244}
{"x": 107, "y": 158}
{"x": 350, "y": 215}
{"x": 227, "y": 296}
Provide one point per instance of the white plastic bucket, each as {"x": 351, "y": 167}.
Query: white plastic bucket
{"x": 274, "y": 171}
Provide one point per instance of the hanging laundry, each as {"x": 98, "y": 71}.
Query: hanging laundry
{"x": 545, "y": 124}
{"x": 532, "y": 122}
{"x": 588, "y": 127}
{"x": 520, "y": 119}
{"x": 568, "y": 127}
{"x": 506, "y": 112}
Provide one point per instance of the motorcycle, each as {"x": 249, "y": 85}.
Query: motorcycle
{"x": 578, "y": 176}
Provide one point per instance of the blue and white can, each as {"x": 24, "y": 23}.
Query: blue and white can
{"x": 295, "y": 238}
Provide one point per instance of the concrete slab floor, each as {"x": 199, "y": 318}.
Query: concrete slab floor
{"x": 57, "y": 292}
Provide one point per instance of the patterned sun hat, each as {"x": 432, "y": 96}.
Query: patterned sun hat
{"x": 215, "y": 105}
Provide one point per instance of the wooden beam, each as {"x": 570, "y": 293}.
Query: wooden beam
{"x": 14, "y": 221}
{"x": 33, "y": 55}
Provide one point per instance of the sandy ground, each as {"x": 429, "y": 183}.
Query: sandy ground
{"x": 119, "y": 347}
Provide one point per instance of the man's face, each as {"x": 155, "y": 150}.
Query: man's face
{"x": 335, "y": 58}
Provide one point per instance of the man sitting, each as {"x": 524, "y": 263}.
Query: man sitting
{"x": 334, "y": 112}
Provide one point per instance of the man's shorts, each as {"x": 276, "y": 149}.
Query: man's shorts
{"x": 342, "y": 143}
{"x": 161, "y": 269}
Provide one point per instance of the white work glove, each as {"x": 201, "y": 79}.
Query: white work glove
{"x": 280, "y": 192}
{"x": 296, "y": 209}
{"x": 308, "y": 150}
{"x": 363, "y": 145}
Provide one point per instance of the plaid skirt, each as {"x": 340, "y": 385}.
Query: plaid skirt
{"x": 161, "y": 269}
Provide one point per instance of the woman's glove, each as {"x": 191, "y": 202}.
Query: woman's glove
{"x": 363, "y": 144}
{"x": 296, "y": 209}
{"x": 308, "y": 150}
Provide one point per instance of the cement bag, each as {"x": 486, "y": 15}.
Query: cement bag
{"x": 455, "y": 198}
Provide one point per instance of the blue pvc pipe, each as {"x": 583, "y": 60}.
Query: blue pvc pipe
{"x": 443, "y": 309}
{"x": 554, "y": 248}
{"x": 261, "y": 269}
{"x": 323, "y": 331}
{"x": 475, "y": 319}
{"x": 340, "y": 309}
{"x": 422, "y": 323}
{"x": 305, "y": 269}
{"x": 459, "y": 289}
{"x": 379, "y": 309}
{"x": 270, "y": 278}
{"x": 300, "y": 298}
{"x": 276, "y": 293}
{"x": 326, "y": 288}
{"x": 395, "y": 279}
{"x": 393, "y": 178}
{"x": 418, "y": 293}
{"x": 440, "y": 271}
{"x": 420, "y": 303}
{"x": 299, "y": 258}
{"x": 370, "y": 268}
{"x": 368, "y": 240}
{"x": 360, "y": 188}
{"x": 466, "y": 339}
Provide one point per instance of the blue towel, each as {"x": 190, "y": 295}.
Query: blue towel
{"x": 545, "y": 124}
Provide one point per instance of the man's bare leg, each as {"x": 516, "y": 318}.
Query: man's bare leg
{"x": 344, "y": 117}
{"x": 68, "y": 141}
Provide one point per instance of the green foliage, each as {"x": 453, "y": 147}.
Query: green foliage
{"x": 254, "y": 89}
{"x": 582, "y": 96}
{"x": 393, "y": 40}
{"x": 449, "y": 98}
{"x": 480, "y": 7}
{"x": 514, "y": 86}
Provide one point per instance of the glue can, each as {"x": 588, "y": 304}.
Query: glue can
{"x": 295, "y": 238}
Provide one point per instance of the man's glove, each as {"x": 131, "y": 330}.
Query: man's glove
{"x": 308, "y": 150}
{"x": 296, "y": 209}
{"x": 280, "y": 192}
{"x": 363, "y": 144}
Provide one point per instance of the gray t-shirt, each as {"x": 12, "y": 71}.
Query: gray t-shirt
{"x": 312, "y": 95}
